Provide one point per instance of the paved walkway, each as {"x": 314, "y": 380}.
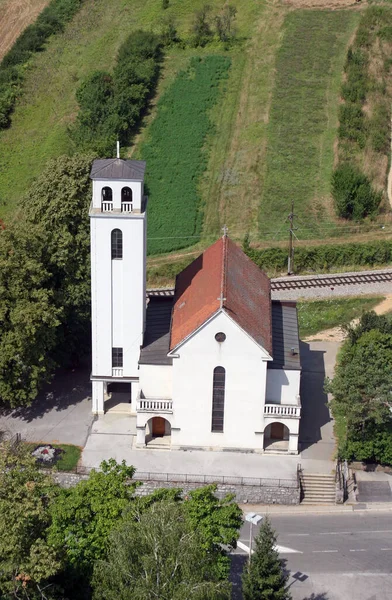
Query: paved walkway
{"x": 61, "y": 413}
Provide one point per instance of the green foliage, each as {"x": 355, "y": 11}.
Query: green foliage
{"x": 49, "y": 22}
{"x": 165, "y": 4}
{"x": 44, "y": 280}
{"x": 28, "y": 563}
{"x": 301, "y": 130}
{"x": 169, "y": 34}
{"x": 263, "y": 578}
{"x": 217, "y": 521}
{"x": 366, "y": 83}
{"x": 84, "y": 515}
{"x": 317, "y": 315}
{"x": 224, "y": 23}
{"x": 353, "y": 193}
{"x": 111, "y": 106}
{"x": 352, "y": 123}
{"x": 361, "y": 390}
{"x": 176, "y": 153}
{"x": 158, "y": 554}
{"x": 324, "y": 258}
{"x": 379, "y": 126}
{"x": 201, "y": 31}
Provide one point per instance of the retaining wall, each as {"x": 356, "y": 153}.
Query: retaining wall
{"x": 252, "y": 494}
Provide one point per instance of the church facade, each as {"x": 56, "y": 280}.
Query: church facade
{"x": 216, "y": 365}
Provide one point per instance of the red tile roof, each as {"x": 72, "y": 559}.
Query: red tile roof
{"x": 222, "y": 269}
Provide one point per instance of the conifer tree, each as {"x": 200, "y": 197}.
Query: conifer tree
{"x": 263, "y": 578}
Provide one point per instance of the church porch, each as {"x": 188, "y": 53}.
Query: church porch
{"x": 153, "y": 424}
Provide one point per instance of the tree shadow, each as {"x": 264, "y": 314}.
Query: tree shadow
{"x": 320, "y": 596}
{"x": 68, "y": 388}
{"x": 315, "y": 411}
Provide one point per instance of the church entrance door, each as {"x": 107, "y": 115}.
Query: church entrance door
{"x": 158, "y": 427}
{"x": 277, "y": 431}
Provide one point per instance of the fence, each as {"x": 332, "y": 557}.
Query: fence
{"x": 182, "y": 478}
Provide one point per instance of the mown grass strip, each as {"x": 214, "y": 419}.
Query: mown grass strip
{"x": 303, "y": 116}
{"x": 176, "y": 154}
{"x": 318, "y": 315}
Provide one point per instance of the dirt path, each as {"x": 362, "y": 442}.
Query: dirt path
{"x": 335, "y": 334}
{"x": 330, "y": 4}
{"x": 15, "y": 15}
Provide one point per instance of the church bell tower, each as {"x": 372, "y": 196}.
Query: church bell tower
{"x": 118, "y": 274}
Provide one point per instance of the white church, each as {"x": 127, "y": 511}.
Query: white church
{"x": 216, "y": 365}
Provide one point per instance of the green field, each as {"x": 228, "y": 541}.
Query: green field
{"x": 318, "y": 315}
{"x": 176, "y": 153}
{"x": 303, "y": 121}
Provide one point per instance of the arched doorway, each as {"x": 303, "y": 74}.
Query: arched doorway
{"x": 276, "y": 437}
{"x": 158, "y": 432}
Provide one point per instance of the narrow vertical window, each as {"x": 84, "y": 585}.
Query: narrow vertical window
{"x": 117, "y": 358}
{"x": 218, "y": 399}
{"x": 117, "y": 244}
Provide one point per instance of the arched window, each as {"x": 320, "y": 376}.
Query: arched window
{"x": 106, "y": 199}
{"x": 218, "y": 399}
{"x": 117, "y": 244}
{"x": 126, "y": 199}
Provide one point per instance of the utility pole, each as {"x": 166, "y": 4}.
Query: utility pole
{"x": 290, "y": 262}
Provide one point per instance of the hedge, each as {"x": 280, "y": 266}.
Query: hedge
{"x": 323, "y": 258}
{"x": 12, "y": 68}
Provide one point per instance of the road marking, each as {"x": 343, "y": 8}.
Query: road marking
{"x": 324, "y": 551}
{"x": 280, "y": 549}
{"x": 385, "y": 548}
{"x": 359, "y": 531}
{"x": 359, "y": 550}
{"x": 297, "y": 534}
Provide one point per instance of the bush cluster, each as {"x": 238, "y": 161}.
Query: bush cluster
{"x": 353, "y": 193}
{"x": 111, "y": 105}
{"x": 357, "y": 130}
{"x": 176, "y": 153}
{"x": 50, "y": 21}
{"x": 325, "y": 257}
{"x": 361, "y": 391}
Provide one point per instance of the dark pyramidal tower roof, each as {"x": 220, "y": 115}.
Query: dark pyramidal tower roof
{"x": 116, "y": 168}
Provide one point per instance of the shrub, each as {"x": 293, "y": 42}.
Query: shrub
{"x": 352, "y": 123}
{"x": 111, "y": 105}
{"x": 201, "y": 31}
{"x": 353, "y": 194}
{"x": 380, "y": 128}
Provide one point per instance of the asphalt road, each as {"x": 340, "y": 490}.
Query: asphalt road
{"x": 345, "y": 556}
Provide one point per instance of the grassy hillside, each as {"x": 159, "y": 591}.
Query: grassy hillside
{"x": 271, "y": 136}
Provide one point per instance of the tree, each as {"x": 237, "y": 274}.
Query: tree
{"x": 169, "y": 35}
{"x": 218, "y": 522}
{"x": 45, "y": 280}
{"x": 84, "y": 515}
{"x": 264, "y": 579}
{"x": 157, "y": 554}
{"x": 353, "y": 193}
{"x": 362, "y": 383}
{"x": 201, "y": 29}
{"x": 224, "y": 22}
{"x": 28, "y": 562}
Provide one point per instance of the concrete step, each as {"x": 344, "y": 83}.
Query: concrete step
{"x": 318, "y": 488}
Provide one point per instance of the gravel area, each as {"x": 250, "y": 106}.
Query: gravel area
{"x": 337, "y": 290}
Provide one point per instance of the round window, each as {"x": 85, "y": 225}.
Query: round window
{"x": 220, "y": 337}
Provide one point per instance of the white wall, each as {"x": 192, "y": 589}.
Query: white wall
{"x": 282, "y": 386}
{"x": 156, "y": 381}
{"x": 117, "y": 314}
{"x": 136, "y": 187}
{"x": 245, "y": 365}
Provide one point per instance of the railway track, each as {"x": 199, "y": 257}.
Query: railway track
{"x": 311, "y": 281}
